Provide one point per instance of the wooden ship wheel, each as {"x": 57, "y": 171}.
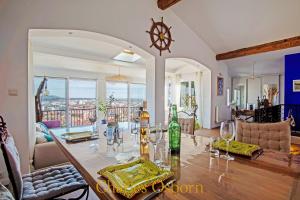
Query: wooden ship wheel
{"x": 160, "y": 36}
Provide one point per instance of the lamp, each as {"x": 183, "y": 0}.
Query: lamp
{"x": 119, "y": 77}
{"x": 253, "y": 75}
{"x": 38, "y": 105}
{"x": 46, "y": 91}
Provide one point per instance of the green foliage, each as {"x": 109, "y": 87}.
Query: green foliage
{"x": 111, "y": 99}
{"x": 197, "y": 125}
{"x": 103, "y": 107}
{"x": 189, "y": 102}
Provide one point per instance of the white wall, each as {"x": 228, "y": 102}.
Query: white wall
{"x": 127, "y": 20}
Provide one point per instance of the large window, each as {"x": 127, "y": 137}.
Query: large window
{"x": 54, "y": 105}
{"x": 184, "y": 93}
{"x": 117, "y": 94}
{"x": 124, "y": 99}
{"x": 82, "y": 101}
{"x": 70, "y": 101}
{"x": 137, "y": 94}
{"x": 187, "y": 94}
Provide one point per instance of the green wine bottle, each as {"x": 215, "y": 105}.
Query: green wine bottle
{"x": 174, "y": 132}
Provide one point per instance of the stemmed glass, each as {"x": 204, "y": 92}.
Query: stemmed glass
{"x": 154, "y": 137}
{"x": 93, "y": 120}
{"x": 119, "y": 138}
{"x": 227, "y": 133}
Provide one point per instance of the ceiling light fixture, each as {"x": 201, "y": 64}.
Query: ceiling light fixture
{"x": 127, "y": 56}
{"x": 253, "y": 75}
{"x": 118, "y": 78}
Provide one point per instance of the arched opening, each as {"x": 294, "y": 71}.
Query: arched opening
{"x": 188, "y": 82}
{"x": 84, "y": 69}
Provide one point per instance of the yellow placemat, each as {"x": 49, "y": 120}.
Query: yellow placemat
{"x": 74, "y": 136}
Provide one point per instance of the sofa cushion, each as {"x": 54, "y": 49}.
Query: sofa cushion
{"x": 52, "y": 123}
{"x": 41, "y": 127}
{"x": 48, "y": 154}
{"x": 5, "y": 193}
{"x": 14, "y": 164}
{"x": 50, "y": 182}
{"x": 40, "y": 137}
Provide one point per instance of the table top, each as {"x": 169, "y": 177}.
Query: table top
{"x": 273, "y": 175}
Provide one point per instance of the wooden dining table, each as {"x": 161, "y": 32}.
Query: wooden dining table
{"x": 199, "y": 174}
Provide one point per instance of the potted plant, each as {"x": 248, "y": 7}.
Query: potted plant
{"x": 103, "y": 109}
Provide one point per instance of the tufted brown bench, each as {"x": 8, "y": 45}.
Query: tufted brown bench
{"x": 275, "y": 136}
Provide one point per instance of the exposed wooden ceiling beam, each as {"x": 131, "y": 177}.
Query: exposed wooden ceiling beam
{"x": 267, "y": 47}
{"x": 164, "y": 4}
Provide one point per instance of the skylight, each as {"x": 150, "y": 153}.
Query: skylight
{"x": 127, "y": 56}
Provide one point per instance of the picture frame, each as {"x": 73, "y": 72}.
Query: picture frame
{"x": 220, "y": 86}
{"x": 296, "y": 85}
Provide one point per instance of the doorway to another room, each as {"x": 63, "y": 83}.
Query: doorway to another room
{"x": 188, "y": 85}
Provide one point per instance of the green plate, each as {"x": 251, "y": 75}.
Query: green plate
{"x": 236, "y": 147}
{"x": 131, "y": 178}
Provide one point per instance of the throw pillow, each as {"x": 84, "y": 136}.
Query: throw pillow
{"x": 40, "y": 138}
{"x": 41, "y": 126}
{"x": 5, "y": 193}
{"x": 48, "y": 137}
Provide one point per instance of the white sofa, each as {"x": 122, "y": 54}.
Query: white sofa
{"x": 47, "y": 154}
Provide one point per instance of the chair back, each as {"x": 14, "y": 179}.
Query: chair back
{"x": 275, "y": 136}
{"x": 187, "y": 121}
{"x": 12, "y": 159}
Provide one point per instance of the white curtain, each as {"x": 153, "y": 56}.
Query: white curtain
{"x": 199, "y": 96}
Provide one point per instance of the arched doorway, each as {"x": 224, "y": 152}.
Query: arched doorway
{"x": 188, "y": 81}
{"x": 88, "y": 55}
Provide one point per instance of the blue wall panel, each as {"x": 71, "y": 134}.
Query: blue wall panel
{"x": 292, "y": 99}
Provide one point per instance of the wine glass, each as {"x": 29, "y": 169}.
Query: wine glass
{"x": 119, "y": 139}
{"x": 227, "y": 133}
{"x": 93, "y": 120}
{"x": 154, "y": 137}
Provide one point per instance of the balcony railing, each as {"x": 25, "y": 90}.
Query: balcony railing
{"x": 59, "y": 115}
{"x": 80, "y": 117}
{"x": 120, "y": 114}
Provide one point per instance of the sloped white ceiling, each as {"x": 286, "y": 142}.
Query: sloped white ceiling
{"x": 233, "y": 24}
